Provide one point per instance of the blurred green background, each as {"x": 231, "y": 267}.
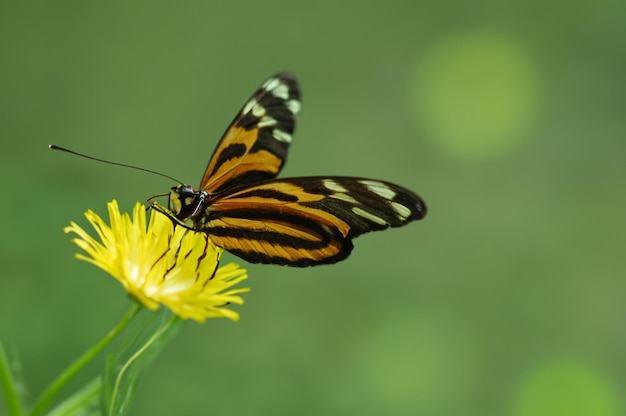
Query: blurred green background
{"x": 507, "y": 117}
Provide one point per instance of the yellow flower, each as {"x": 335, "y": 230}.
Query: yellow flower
{"x": 162, "y": 264}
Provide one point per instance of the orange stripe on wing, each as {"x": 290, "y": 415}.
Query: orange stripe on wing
{"x": 260, "y": 251}
{"x": 234, "y": 158}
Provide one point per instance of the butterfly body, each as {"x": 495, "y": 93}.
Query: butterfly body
{"x": 298, "y": 222}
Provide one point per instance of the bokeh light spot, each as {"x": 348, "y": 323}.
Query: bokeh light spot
{"x": 567, "y": 388}
{"x": 475, "y": 94}
{"x": 414, "y": 363}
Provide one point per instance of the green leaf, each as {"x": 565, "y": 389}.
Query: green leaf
{"x": 9, "y": 386}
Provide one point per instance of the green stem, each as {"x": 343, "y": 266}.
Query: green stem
{"x": 53, "y": 389}
{"x": 8, "y": 385}
{"x": 133, "y": 358}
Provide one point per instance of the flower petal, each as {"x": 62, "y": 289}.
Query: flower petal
{"x": 161, "y": 264}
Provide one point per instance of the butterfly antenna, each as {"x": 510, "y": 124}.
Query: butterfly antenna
{"x": 156, "y": 196}
{"x": 63, "y": 149}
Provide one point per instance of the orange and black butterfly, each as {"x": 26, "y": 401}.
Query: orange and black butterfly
{"x": 295, "y": 221}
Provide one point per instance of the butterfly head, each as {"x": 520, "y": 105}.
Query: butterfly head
{"x": 186, "y": 203}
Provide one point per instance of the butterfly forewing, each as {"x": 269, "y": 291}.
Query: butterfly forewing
{"x": 254, "y": 146}
{"x": 307, "y": 221}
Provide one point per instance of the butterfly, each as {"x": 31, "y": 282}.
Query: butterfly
{"x": 304, "y": 221}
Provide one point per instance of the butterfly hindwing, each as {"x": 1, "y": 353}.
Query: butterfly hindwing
{"x": 307, "y": 221}
{"x": 254, "y": 146}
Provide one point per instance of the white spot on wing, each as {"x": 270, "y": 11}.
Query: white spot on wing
{"x": 271, "y": 83}
{"x": 379, "y": 189}
{"x": 258, "y": 110}
{"x": 281, "y": 91}
{"x": 248, "y": 106}
{"x": 369, "y": 216}
{"x": 402, "y": 211}
{"x": 281, "y": 136}
{"x": 267, "y": 121}
{"x": 333, "y": 186}
{"x": 294, "y": 106}
{"x": 339, "y": 192}
{"x": 345, "y": 197}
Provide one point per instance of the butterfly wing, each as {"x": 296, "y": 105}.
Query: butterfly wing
{"x": 254, "y": 146}
{"x": 307, "y": 221}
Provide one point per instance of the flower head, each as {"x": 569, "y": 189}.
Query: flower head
{"x": 161, "y": 263}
